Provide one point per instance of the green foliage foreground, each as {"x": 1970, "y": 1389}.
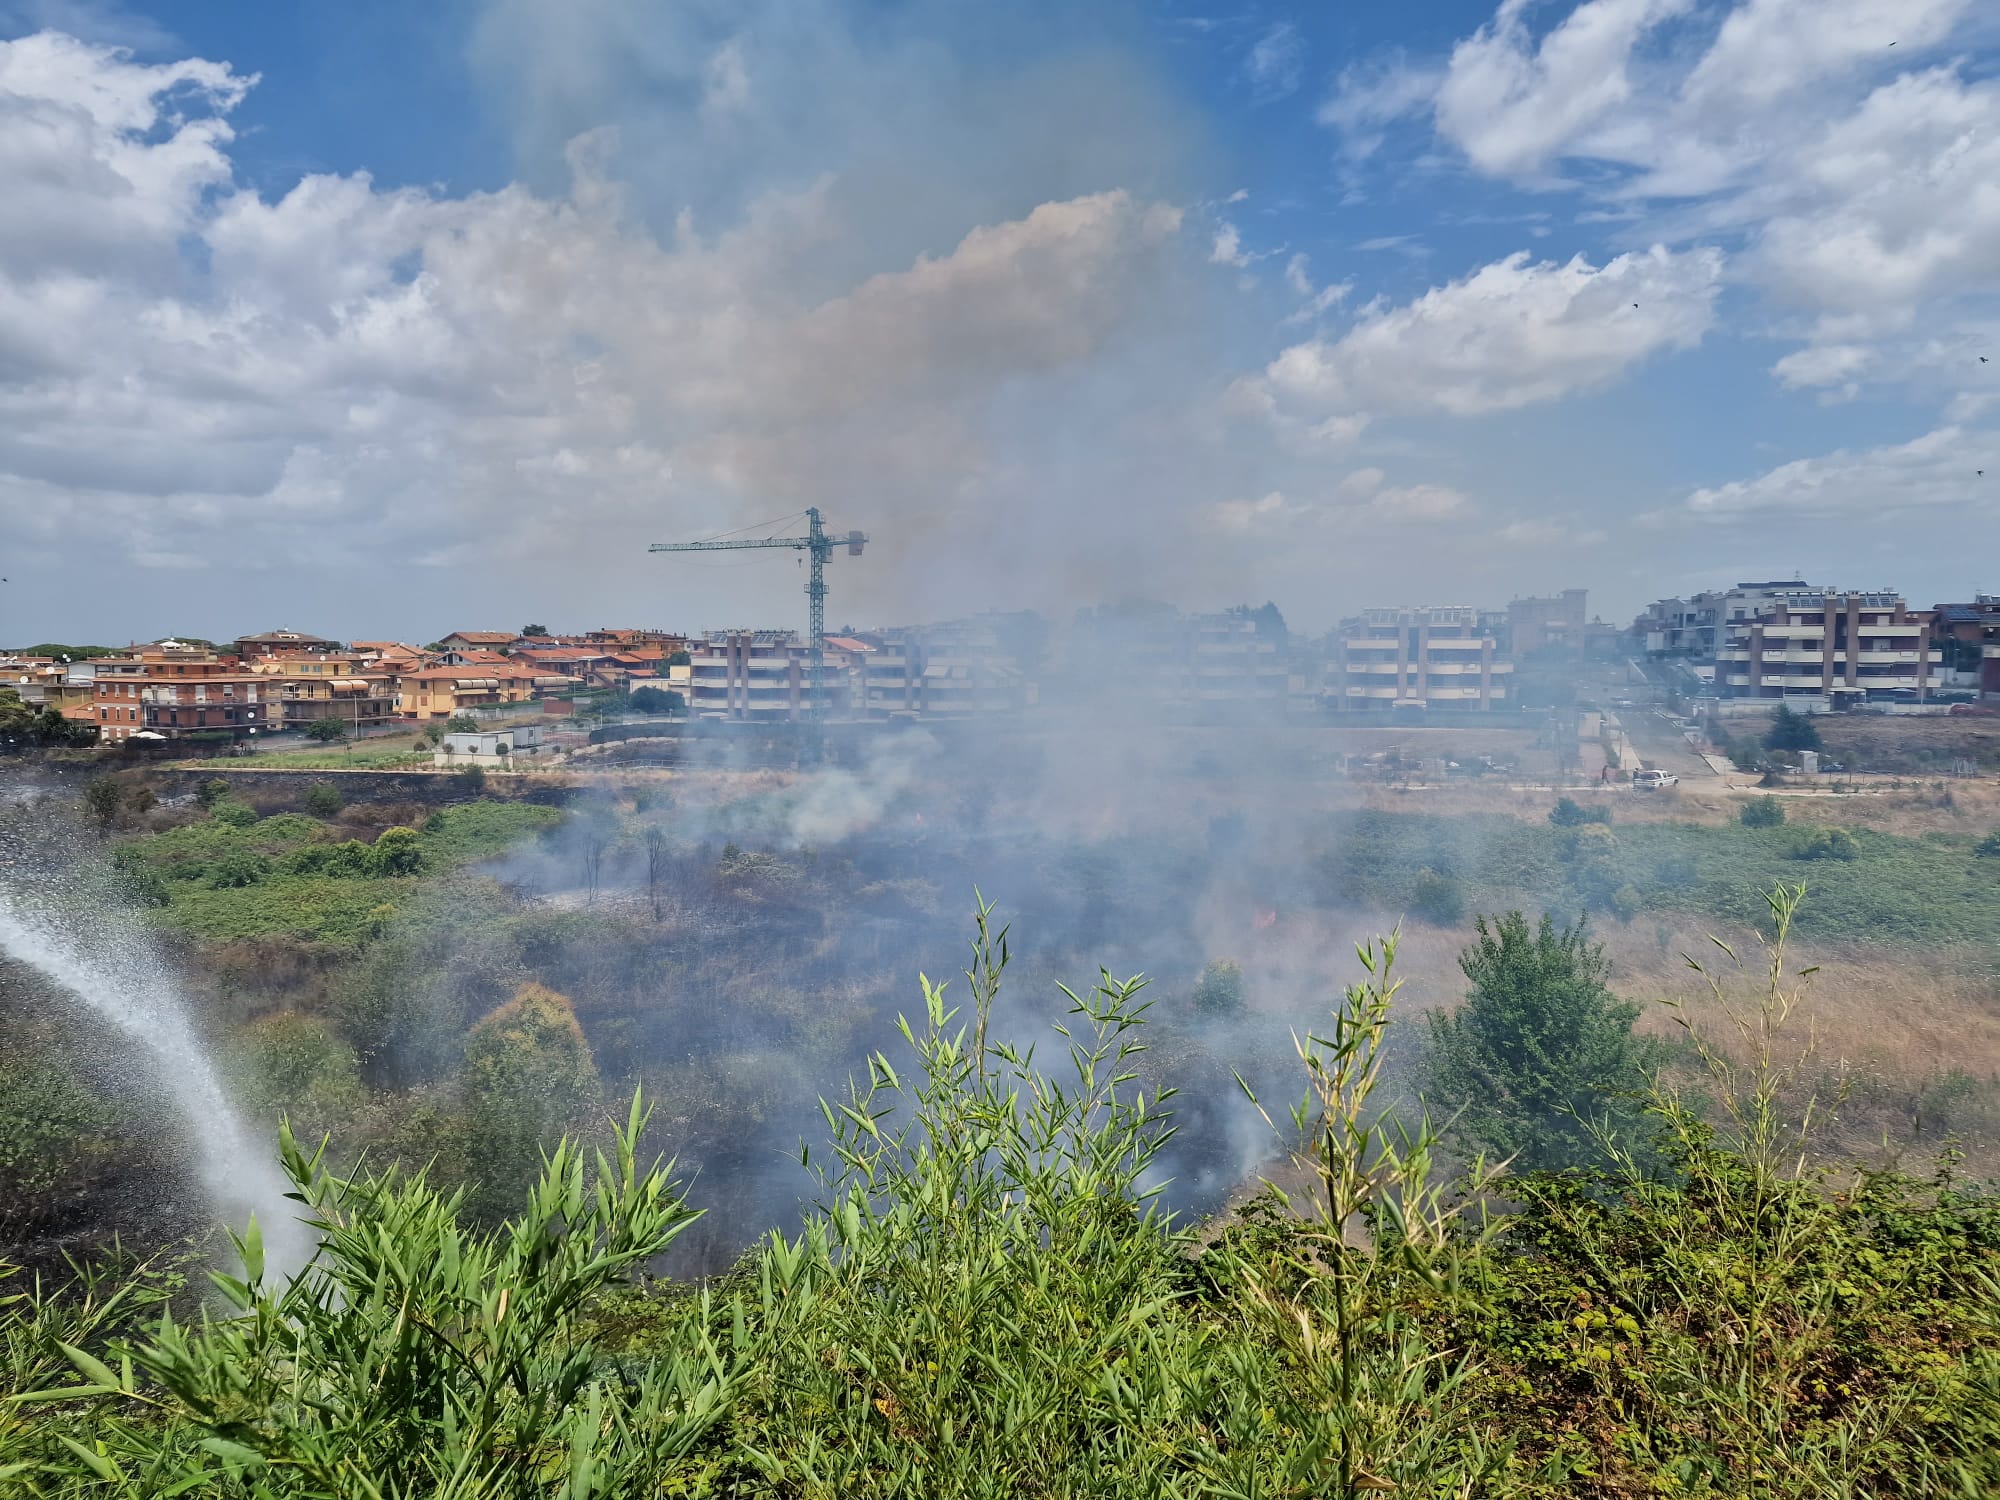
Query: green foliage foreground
{"x": 987, "y": 1302}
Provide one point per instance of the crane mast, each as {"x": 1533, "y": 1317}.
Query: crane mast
{"x": 818, "y": 544}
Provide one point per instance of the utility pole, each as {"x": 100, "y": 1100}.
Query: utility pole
{"x": 818, "y": 544}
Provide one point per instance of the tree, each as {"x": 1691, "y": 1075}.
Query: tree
{"x": 1437, "y": 898}
{"x": 211, "y": 791}
{"x": 656, "y": 864}
{"x": 1790, "y": 731}
{"x": 326, "y": 730}
{"x": 1988, "y": 847}
{"x": 1568, "y": 813}
{"x": 528, "y": 1078}
{"x": 434, "y": 733}
{"x": 679, "y": 659}
{"x": 323, "y": 799}
{"x": 470, "y": 778}
{"x": 1540, "y": 1047}
{"x": 102, "y": 799}
{"x": 1762, "y": 812}
{"x": 1219, "y": 990}
{"x": 462, "y": 724}
{"x": 652, "y": 700}
{"x": 534, "y": 630}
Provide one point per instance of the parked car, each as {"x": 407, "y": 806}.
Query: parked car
{"x": 1653, "y": 781}
{"x": 1972, "y": 711}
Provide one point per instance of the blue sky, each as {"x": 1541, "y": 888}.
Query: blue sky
{"x": 384, "y": 319}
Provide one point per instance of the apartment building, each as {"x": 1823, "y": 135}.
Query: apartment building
{"x": 748, "y": 674}
{"x": 1695, "y": 627}
{"x": 1234, "y": 667}
{"x": 1540, "y": 624}
{"x": 170, "y": 690}
{"x": 342, "y": 687}
{"x": 1827, "y": 649}
{"x": 446, "y": 692}
{"x": 1989, "y": 665}
{"x": 1416, "y": 658}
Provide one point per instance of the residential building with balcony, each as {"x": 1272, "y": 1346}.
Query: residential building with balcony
{"x": 1234, "y": 667}
{"x": 1826, "y": 649}
{"x": 1989, "y": 650}
{"x": 119, "y": 684}
{"x": 1438, "y": 657}
{"x": 1541, "y": 624}
{"x": 446, "y": 692}
{"x": 235, "y": 704}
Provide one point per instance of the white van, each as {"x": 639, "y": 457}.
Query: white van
{"x": 1653, "y": 781}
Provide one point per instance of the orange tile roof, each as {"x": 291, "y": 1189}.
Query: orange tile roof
{"x": 481, "y": 637}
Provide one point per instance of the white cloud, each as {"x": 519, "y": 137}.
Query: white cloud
{"x": 1768, "y": 49}
{"x": 1512, "y": 334}
{"x": 1371, "y": 96}
{"x": 1362, "y": 502}
{"x": 1276, "y": 61}
{"x": 1227, "y": 249}
{"x": 1511, "y": 103}
{"x": 1935, "y": 471}
{"x": 1547, "y": 531}
{"x": 1894, "y": 205}
{"x": 347, "y": 372}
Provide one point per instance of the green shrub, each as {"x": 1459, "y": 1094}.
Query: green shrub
{"x": 528, "y": 1079}
{"x": 1568, "y": 813}
{"x": 211, "y": 791}
{"x": 1762, "y": 812}
{"x": 327, "y": 730}
{"x": 323, "y": 799}
{"x": 470, "y": 778}
{"x": 1988, "y": 847}
{"x": 1540, "y": 1052}
{"x": 1438, "y": 899}
{"x": 397, "y": 851}
{"x": 1828, "y": 843}
{"x": 1219, "y": 990}
{"x": 238, "y": 868}
{"x": 350, "y": 859}
{"x": 233, "y": 814}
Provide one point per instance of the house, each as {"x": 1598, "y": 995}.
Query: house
{"x": 283, "y": 643}
{"x": 475, "y": 640}
{"x": 446, "y": 692}
{"x": 312, "y": 688}
{"x": 492, "y": 747}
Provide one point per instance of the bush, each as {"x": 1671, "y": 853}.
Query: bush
{"x": 1762, "y": 812}
{"x": 470, "y": 778}
{"x": 1567, "y": 813}
{"x": 529, "y": 1078}
{"x": 1828, "y": 843}
{"x": 238, "y": 868}
{"x": 1219, "y": 990}
{"x": 323, "y": 799}
{"x": 462, "y": 724}
{"x": 103, "y": 799}
{"x": 327, "y": 730}
{"x": 211, "y": 791}
{"x": 1437, "y": 898}
{"x": 233, "y": 814}
{"x": 397, "y": 851}
{"x": 652, "y": 700}
{"x": 350, "y": 859}
{"x": 1988, "y": 847}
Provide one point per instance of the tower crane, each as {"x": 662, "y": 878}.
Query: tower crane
{"x": 818, "y": 544}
